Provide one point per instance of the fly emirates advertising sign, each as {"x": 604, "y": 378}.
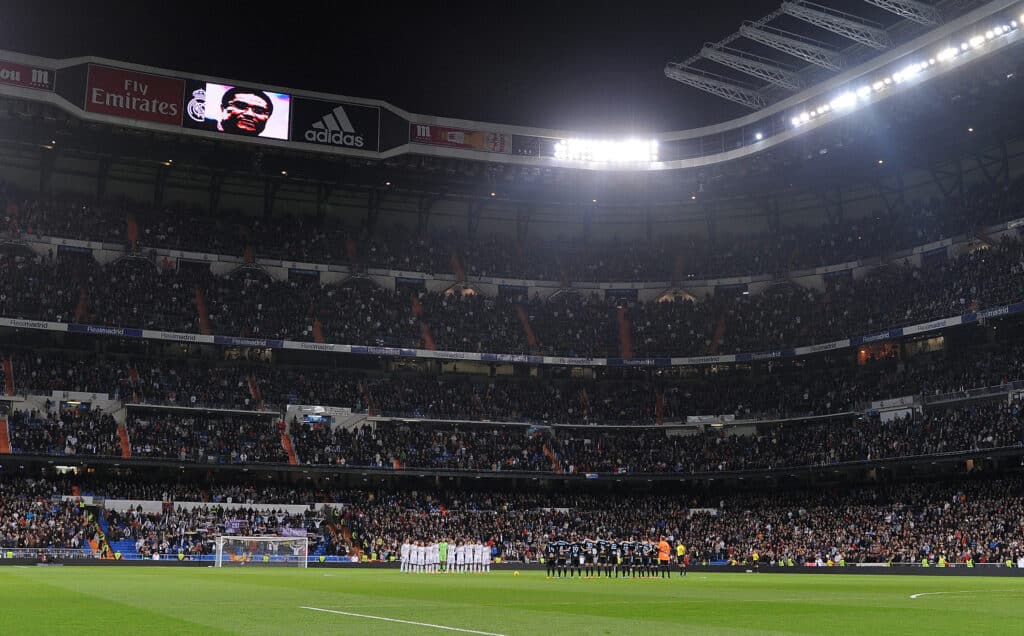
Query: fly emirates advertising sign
{"x": 134, "y": 95}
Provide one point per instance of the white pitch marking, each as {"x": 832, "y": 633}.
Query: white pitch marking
{"x": 919, "y": 595}
{"x": 395, "y": 620}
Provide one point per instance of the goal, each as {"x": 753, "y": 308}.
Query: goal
{"x": 233, "y": 551}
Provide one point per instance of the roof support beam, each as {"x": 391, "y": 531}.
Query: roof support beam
{"x": 752, "y": 65}
{"x": 782, "y": 41}
{"x": 839, "y": 23}
{"x": 911, "y": 10}
{"x": 716, "y": 85}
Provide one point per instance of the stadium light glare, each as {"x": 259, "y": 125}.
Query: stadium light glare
{"x": 964, "y": 46}
{"x": 970, "y": 130}
{"x": 989, "y": 35}
{"x": 606, "y": 151}
{"x": 594, "y": 200}
{"x": 878, "y": 85}
{"x": 795, "y": 121}
{"x": 977, "y": 41}
{"x": 863, "y": 92}
{"x": 284, "y": 173}
{"x": 494, "y": 194}
{"x": 881, "y": 161}
{"x": 805, "y": 117}
{"x": 758, "y": 136}
{"x": 947, "y": 54}
{"x": 1013, "y": 23}
{"x": 844, "y": 101}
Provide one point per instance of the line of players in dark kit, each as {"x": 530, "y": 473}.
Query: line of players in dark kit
{"x": 593, "y": 558}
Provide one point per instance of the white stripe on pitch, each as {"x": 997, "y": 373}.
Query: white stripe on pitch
{"x": 395, "y": 620}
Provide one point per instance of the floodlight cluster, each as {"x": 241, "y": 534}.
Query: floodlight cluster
{"x": 852, "y": 98}
{"x": 605, "y": 151}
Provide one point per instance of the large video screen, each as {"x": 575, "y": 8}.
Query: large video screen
{"x": 237, "y": 110}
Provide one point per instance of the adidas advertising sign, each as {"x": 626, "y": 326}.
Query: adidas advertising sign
{"x": 352, "y": 126}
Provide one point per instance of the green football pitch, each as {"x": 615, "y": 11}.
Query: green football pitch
{"x": 143, "y": 600}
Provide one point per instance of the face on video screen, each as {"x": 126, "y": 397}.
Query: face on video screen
{"x": 238, "y": 110}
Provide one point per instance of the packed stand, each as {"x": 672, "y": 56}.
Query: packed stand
{"x": 668, "y": 257}
{"x": 134, "y": 293}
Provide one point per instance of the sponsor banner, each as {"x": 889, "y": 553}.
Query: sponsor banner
{"x": 709, "y": 419}
{"x": 579, "y": 362}
{"x": 133, "y": 95}
{"x": 825, "y": 346}
{"x": 454, "y": 355}
{"x": 18, "y": 323}
{"x": 99, "y": 330}
{"x": 316, "y": 346}
{"x": 248, "y": 342}
{"x": 932, "y": 326}
{"x": 994, "y": 312}
{"x": 878, "y": 337}
{"x": 15, "y": 74}
{"x": 236, "y": 110}
{"x": 892, "y": 403}
{"x": 337, "y": 124}
{"x": 640, "y": 362}
{"x": 387, "y": 351}
{"x": 507, "y": 357}
{"x": 459, "y": 138}
{"x": 759, "y": 355}
{"x": 699, "y": 360}
{"x": 175, "y": 336}
{"x": 79, "y": 396}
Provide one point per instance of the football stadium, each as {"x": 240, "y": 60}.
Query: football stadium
{"x": 408, "y": 347}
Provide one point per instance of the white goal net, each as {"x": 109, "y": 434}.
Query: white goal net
{"x": 264, "y": 550}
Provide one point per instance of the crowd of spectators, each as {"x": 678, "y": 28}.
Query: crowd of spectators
{"x": 644, "y": 397}
{"x": 131, "y": 292}
{"x": 956, "y": 520}
{"x": 662, "y": 258}
{"x": 482, "y": 446}
{"x": 30, "y": 518}
{"x": 192, "y": 531}
{"x": 192, "y": 437}
{"x": 571, "y": 450}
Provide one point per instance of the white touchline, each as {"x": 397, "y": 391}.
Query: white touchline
{"x": 395, "y": 620}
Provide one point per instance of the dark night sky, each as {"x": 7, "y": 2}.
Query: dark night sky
{"x": 594, "y": 67}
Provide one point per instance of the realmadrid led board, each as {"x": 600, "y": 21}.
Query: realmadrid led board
{"x": 237, "y": 110}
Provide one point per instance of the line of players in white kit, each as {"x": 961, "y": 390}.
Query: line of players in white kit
{"x": 441, "y": 556}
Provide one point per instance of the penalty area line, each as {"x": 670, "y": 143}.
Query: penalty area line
{"x": 920, "y": 594}
{"x": 396, "y": 620}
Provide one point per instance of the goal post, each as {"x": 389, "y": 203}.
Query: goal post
{"x": 258, "y": 551}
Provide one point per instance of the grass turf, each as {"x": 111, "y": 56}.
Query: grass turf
{"x": 121, "y": 600}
